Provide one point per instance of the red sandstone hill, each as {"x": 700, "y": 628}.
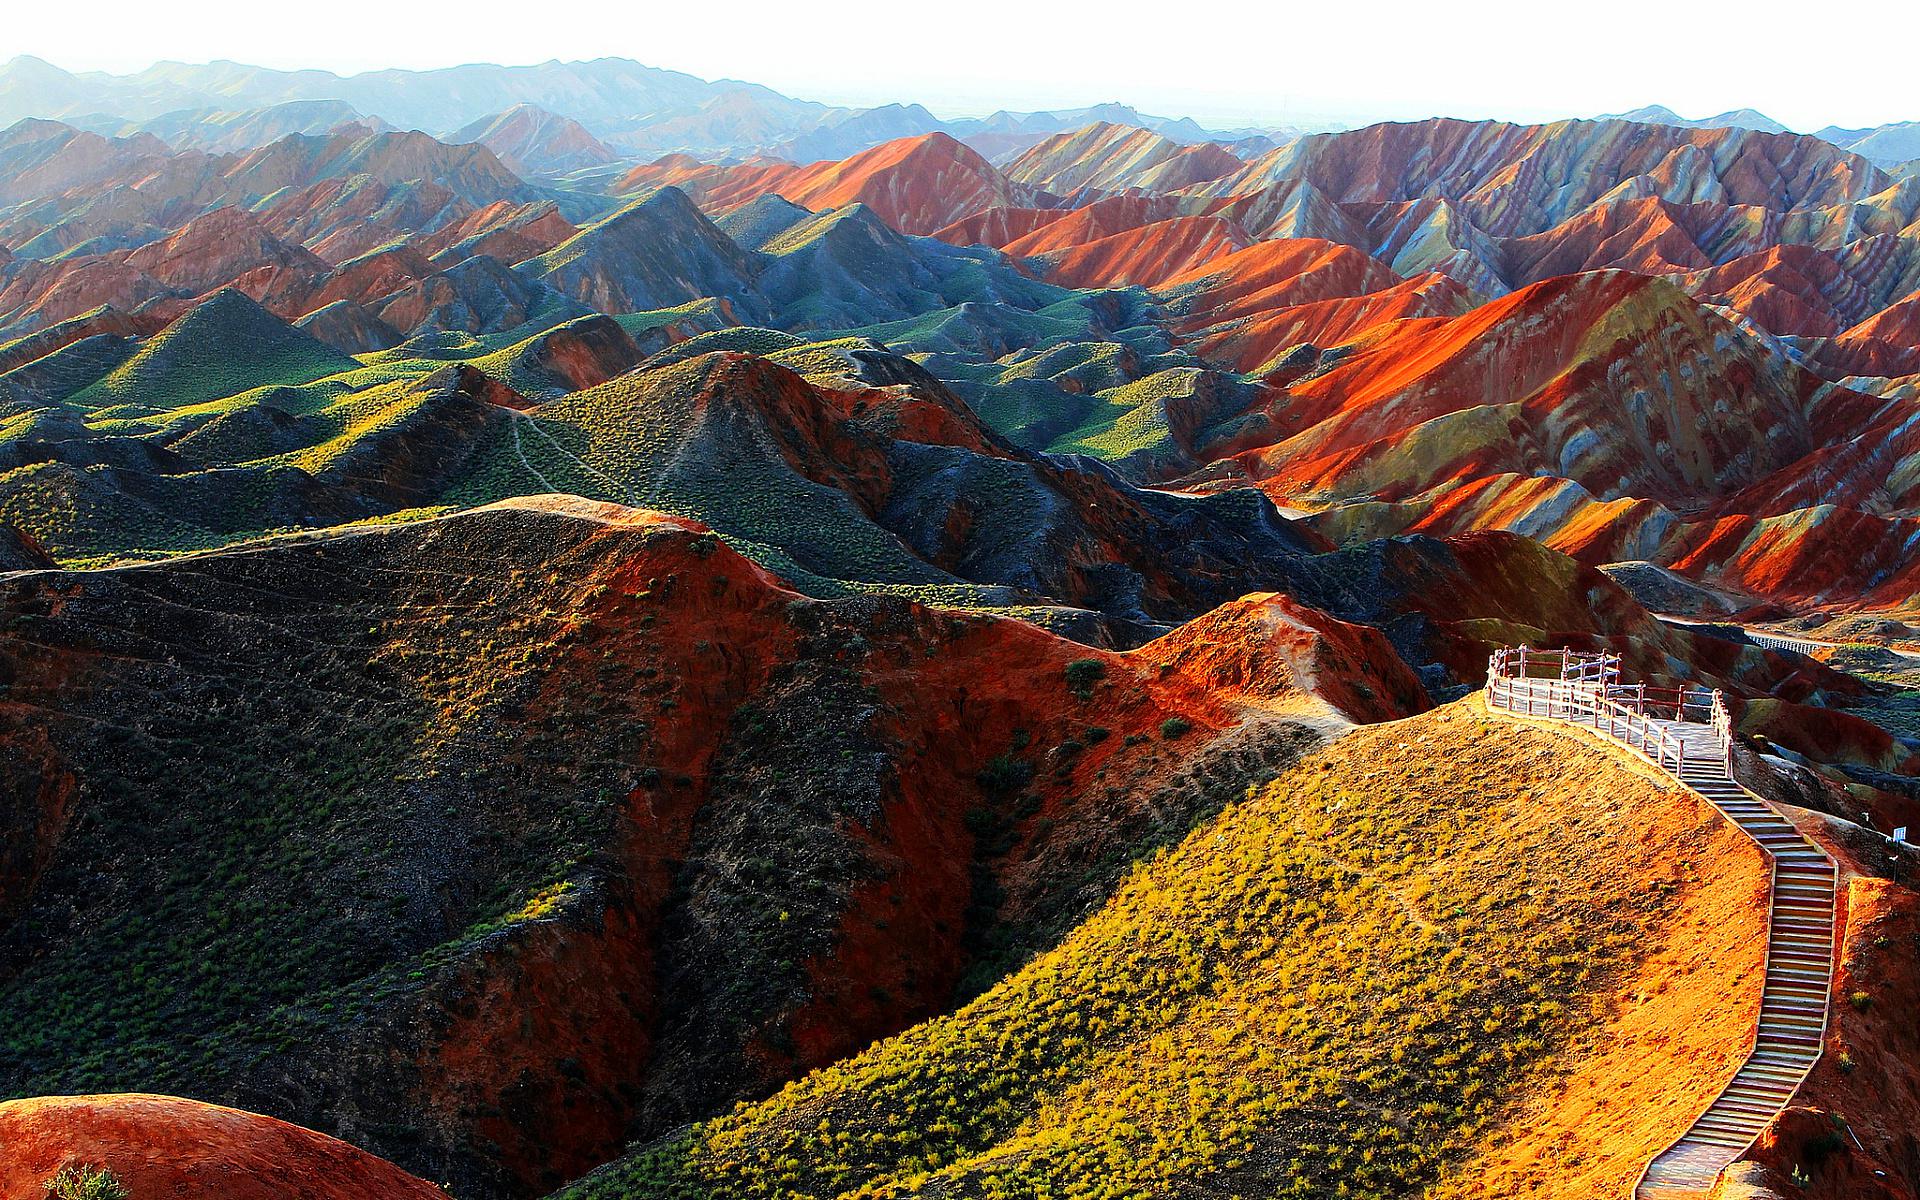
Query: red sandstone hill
{"x": 532, "y": 141}
{"x": 916, "y": 184}
{"x": 1245, "y": 309}
{"x": 715, "y": 187}
{"x": 1062, "y": 229}
{"x": 1885, "y": 344}
{"x": 1602, "y": 378}
{"x": 1612, "y": 417}
{"x": 164, "y": 1146}
{"x": 1518, "y": 179}
{"x": 1147, "y": 256}
{"x": 1106, "y": 158}
{"x": 509, "y": 232}
{"x": 687, "y": 833}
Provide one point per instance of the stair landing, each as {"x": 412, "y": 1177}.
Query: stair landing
{"x": 1793, "y": 1009}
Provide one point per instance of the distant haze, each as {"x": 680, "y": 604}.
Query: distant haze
{"x": 1225, "y": 64}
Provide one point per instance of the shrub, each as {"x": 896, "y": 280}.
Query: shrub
{"x": 1175, "y": 727}
{"x": 1004, "y": 775}
{"x": 1861, "y": 1001}
{"x": 86, "y": 1183}
{"x": 1082, "y": 674}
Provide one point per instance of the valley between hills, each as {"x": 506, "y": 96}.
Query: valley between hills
{"x": 576, "y": 632}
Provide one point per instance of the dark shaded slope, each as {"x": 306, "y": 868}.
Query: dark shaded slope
{"x": 493, "y": 841}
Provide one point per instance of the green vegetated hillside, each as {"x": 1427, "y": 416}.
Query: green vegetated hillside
{"x": 835, "y": 461}
{"x": 493, "y": 840}
{"x": 223, "y": 347}
{"x": 1335, "y": 988}
{"x": 223, "y": 425}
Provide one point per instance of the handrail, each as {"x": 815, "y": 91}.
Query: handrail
{"x": 1518, "y": 680}
{"x": 1583, "y": 704}
{"x": 1584, "y": 687}
{"x": 1722, "y": 722}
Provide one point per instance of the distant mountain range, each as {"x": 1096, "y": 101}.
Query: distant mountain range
{"x": 601, "y": 111}
{"x": 800, "y": 669}
{"x": 1739, "y": 118}
{"x": 594, "y": 118}
{"x": 1884, "y": 145}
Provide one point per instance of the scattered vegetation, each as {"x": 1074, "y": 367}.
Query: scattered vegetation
{"x": 1328, "y": 991}
{"x": 1082, "y": 674}
{"x": 76, "y": 1182}
{"x": 226, "y": 346}
{"x": 333, "y": 840}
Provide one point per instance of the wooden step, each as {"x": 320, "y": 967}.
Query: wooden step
{"x": 1802, "y": 914}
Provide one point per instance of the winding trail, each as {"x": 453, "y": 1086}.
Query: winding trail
{"x": 586, "y": 469}
{"x": 1791, "y": 1023}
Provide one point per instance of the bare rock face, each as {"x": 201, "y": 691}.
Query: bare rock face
{"x": 532, "y": 141}
{"x": 579, "y": 354}
{"x": 166, "y": 1146}
{"x": 350, "y": 328}
{"x": 19, "y": 552}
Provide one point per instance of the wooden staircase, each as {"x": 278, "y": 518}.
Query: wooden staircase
{"x": 1800, "y": 944}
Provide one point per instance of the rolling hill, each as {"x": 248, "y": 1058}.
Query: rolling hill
{"x": 1322, "y": 988}
{"x": 439, "y": 869}
{"x": 575, "y": 631}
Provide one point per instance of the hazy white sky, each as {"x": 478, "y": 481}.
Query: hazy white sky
{"x": 1224, "y": 63}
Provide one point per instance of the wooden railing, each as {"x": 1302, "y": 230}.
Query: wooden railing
{"x": 1585, "y": 688}
{"x": 1583, "y": 704}
{"x": 1722, "y": 722}
{"x": 1572, "y": 666}
{"x": 1693, "y": 704}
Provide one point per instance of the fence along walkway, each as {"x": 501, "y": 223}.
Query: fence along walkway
{"x": 1687, "y": 733}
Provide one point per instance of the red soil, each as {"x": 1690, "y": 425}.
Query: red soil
{"x": 509, "y": 232}
{"x": 1643, "y": 235}
{"x": 1245, "y": 308}
{"x": 1147, "y": 256}
{"x": 720, "y": 630}
{"x": 1797, "y": 290}
{"x": 163, "y": 1146}
{"x": 1070, "y": 229}
{"x": 714, "y": 188}
{"x": 915, "y": 184}
{"x": 1885, "y": 344}
{"x": 1853, "y": 1130}
{"x": 1590, "y": 363}
{"x": 1279, "y": 273}
{"x": 997, "y": 227}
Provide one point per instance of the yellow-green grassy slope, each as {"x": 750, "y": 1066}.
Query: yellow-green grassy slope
{"x": 1341, "y": 986}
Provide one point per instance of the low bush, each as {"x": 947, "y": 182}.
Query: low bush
{"x": 86, "y": 1183}
{"x": 1082, "y": 674}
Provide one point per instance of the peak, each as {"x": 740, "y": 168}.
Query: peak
{"x": 941, "y": 139}
{"x": 229, "y": 302}
{"x": 663, "y": 200}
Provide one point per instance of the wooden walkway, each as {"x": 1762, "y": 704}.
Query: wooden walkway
{"x": 1800, "y": 945}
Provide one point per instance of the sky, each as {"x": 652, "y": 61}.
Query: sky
{"x": 1224, "y": 64}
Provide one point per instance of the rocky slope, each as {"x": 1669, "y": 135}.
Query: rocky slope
{"x": 496, "y": 991}
{"x": 164, "y": 1146}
